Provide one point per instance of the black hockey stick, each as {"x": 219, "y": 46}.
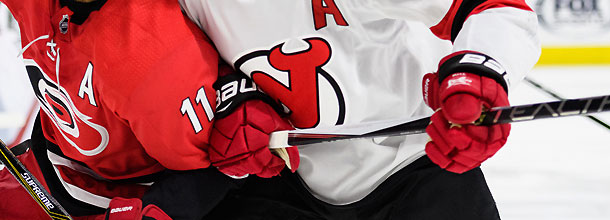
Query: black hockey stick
{"x": 498, "y": 115}
{"x": 31, "y": 185}
{"x": 555, "y": 95}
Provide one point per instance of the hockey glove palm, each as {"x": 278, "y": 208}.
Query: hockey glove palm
{"x": 457, "y": 144}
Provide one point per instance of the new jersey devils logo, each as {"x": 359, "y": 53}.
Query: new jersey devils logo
{"x": 299, "y": 82}
{"x": 57, "y": 104}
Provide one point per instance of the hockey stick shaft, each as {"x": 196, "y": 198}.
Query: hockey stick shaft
{"x": 498, "y": 115}
{"x": 555, "y": 95}
{"x": 32, "y": 185}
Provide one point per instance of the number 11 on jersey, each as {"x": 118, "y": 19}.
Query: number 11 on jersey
{"x": 188, "y": 109}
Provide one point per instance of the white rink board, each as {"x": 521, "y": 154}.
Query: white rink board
{"x": 573, "y": 23}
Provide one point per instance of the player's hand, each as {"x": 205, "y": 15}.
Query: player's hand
{"x": 239, "y": 142}
{"x": 131, "y": 209}
{"x": 458, "y": 145}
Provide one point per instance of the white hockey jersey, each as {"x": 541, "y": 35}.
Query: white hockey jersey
{"x": 334, "y": 62}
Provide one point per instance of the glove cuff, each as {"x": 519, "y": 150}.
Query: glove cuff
{"x": 236, "y": 88}
{"x": 472, "y": 62}
{"x": 124, "y": 208}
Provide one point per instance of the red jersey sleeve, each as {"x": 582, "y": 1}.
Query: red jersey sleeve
{"x": 172, "y": 110}
{"x": 30, "y": 15}
{"x": 449, "y": 27}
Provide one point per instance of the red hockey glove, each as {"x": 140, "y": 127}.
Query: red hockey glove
{"x": 240, "y": 136}
{"x": 457, "y": 144}
{"x": 131, "y": 209}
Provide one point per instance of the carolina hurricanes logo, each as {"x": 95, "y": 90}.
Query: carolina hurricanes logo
{"x": 299, "y": 82}
{"x": 56, "y": 102}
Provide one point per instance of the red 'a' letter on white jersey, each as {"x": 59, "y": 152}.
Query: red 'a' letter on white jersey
{"x": 345, "y": 62}
{"x": 321, "y": 8}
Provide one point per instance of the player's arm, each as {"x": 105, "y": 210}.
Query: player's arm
{"x": 240, "y": 136}
{"x": 505, "y": 30}
{"x": 171, "y": 109}
{"x": 244, "y": 118}
{"x": 171, "y": 113}
{"x": 495, "y": 45}
{"x": 16, "y": 7}
{"x": 27, "y": 13}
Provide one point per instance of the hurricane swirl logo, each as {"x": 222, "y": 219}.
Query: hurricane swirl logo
{"x": 56, "y": 103}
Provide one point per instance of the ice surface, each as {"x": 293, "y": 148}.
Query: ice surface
{"x": 555, "y": 168}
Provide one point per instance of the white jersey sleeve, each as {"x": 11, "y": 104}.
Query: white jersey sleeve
{"x": 346, "y": 62}
{"x": 428, "y": 12}
{"x": 514, "y": 42}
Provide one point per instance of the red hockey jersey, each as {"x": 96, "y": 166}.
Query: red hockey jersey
{"x": 128, "y": 91}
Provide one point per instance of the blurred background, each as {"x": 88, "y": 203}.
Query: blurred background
{"x": 558, "y": 168}
{"x": 16, "y": 95}
{"x": 549, "y": 169}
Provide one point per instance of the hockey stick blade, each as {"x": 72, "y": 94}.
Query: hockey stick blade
{"x": 497, "y": 115}
{"x": 32, "y": 185}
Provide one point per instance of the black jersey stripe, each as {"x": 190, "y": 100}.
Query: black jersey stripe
{"x": 462, "y": 13}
